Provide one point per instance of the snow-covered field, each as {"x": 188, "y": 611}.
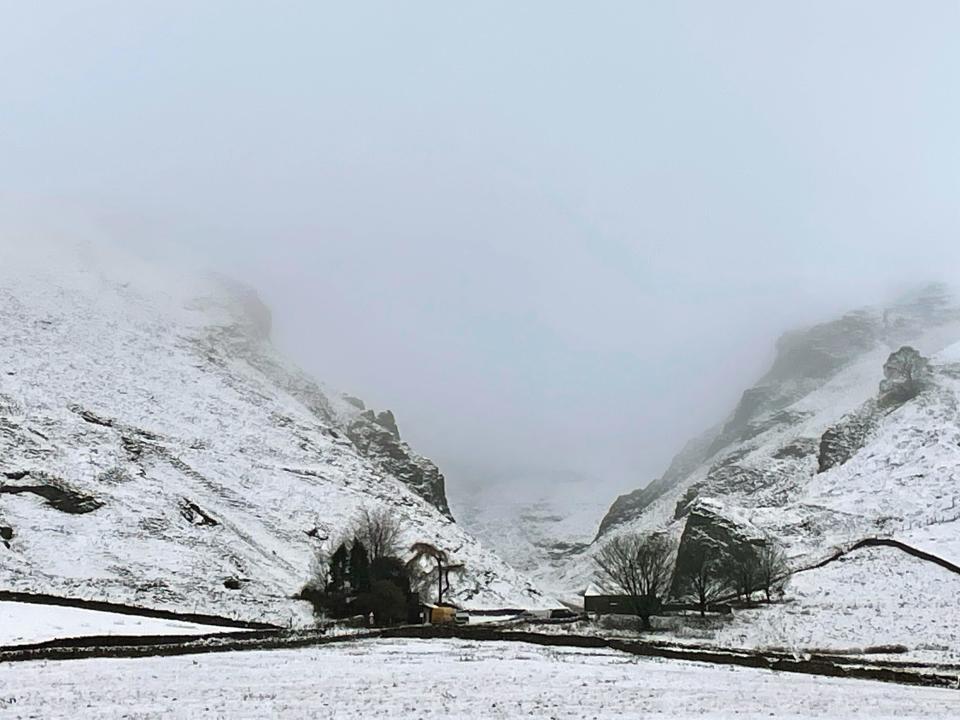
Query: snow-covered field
{"x": 28, "y": 623}
{"x": 448, "y": 679}
{"x": 871, "y": 597}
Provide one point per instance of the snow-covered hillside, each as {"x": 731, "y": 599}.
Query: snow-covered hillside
{"x": 874, "y": 600}
{"x": 155, "y": 449}
{"x": 533, "y": 523}
{"x": 815, "y": 456}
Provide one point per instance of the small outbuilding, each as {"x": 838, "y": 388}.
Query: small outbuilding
{"x": 437, "y": 614}
{"x": 596, "y": 601}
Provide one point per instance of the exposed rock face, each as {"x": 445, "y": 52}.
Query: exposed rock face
{"x": 818, "y": 352}
{"x": 378, "y": 438}
{"x": 628, "y": 506}
{"x": 374, "y": 435}
{"x": 842, "y": 441}
{"x": 805, "y": 359}
{"x": 709, "y": 530}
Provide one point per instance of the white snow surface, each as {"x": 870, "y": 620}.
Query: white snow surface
{"x": 28, "y": 623}
{"x": 444, "y": 679}
{"x": 200, "y": 410}
{"x": 870, "y": 598}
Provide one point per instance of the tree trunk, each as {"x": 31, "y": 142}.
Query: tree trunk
{"x": 439, "y": 581}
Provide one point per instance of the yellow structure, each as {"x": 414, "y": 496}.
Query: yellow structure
{"x": 440, "y": 615}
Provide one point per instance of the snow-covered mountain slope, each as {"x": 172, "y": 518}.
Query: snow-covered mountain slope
{"x": 155, "y": 449}
{"x": 533, "y": 523}
{"x": 815, "y": 456}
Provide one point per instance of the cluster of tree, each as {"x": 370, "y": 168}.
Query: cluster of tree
{"x": 712, "y": 574}
{"x": 641, "y": 569}
{"x": 365, "y": 574}
{"x": 438, "y": 568}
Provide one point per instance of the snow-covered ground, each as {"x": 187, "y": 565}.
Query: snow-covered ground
{"x": 938, "y": 538}
{"x": 863, "y": 604}
{"x": 871, "y": 597}
{"x": 444, "y": 679}
{"x": 28, "y": 623}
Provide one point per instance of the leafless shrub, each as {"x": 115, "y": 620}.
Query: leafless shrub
{"x": 379, "y": 530}
{"x": 638, "y": 567}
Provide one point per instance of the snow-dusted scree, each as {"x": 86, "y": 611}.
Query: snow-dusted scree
{"x": 156, "y": 450}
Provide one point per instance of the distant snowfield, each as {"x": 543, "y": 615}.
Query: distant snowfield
{"x": 28, "y": 623}
{"x": 448, "y": 679}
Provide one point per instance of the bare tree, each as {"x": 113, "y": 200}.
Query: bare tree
{"x": 319, "y": 574}
{"x": 905, "y": 373}
{"x": 744, "y": 572}
{"x": 639, "y": 567}
{"x": 379, "y": 530}
{"x": 423, "y": 551}
{"x": 705, "y": 578}
{"x": 772, "y": 568}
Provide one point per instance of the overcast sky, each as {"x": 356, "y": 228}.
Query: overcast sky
{"x": 556, "y": 238}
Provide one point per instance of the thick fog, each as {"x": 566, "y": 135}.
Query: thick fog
{"x": 557, "y": 239}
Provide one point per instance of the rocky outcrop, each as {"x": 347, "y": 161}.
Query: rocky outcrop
{"x": 804, "y": 360}
{"x": 628, "y": 506}
{"x": 375, "y": 435}
{"x": 378, "y": 438}
{"x": 818, "y": 352}
{"x": 711, "y": 532}
{"x": 57, "y": 495}
{"x": 905, "y": 374}
{"x": 842, "y": 441}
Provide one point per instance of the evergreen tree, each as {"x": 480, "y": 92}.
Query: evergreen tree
{"x": 339, "y": 568}
{"x": 359, "y": 568}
